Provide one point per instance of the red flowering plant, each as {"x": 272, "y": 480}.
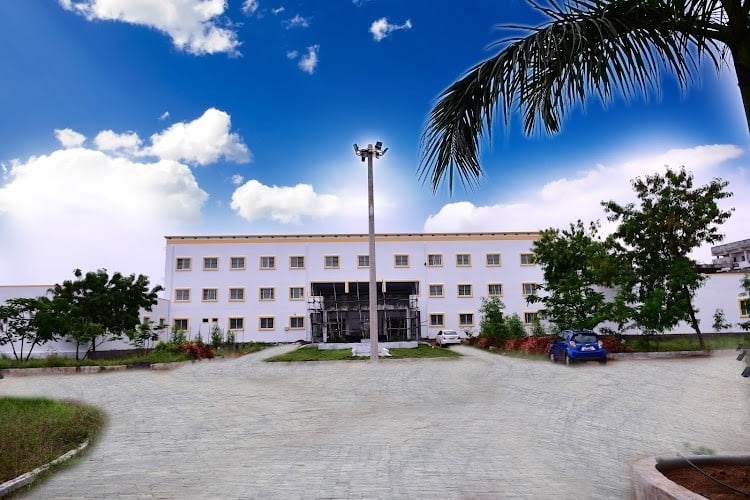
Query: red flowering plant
{"x": 196, "y": 350}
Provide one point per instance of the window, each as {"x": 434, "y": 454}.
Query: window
{"x": 296, "y": 262}
{"x": 495, "y": 289}
{"x": 434, "y": 260}
{"x": 436, "y": 290}
{"x": 437, "y": 319}
{"x": 331, "y": 261}
{"x": 528, "y": 288}
{"x": 363, "y": 261}
{"x": 182, "y": 295}
{"x": 296, "y": 293}
{"x": 465, "y": 319}
{"x": 236, "y": 323}
{"x": 401, "y": 260}
{"x": 236, "y": 294}
{"x": 266, "y": 322}
{"x": 744, "y": 308}
{"x": 493, "y": 259}
{"x": 267, "y": 293}
{"x": 162, "y": 322}
{"x": 210, "y": 294}
{"x": 530, "y": 317}
{"x": 268, "y": 262}
{"x": 205, "y": 320}
{"x": 210, "y": 263}
{"x": 464, "y": 290}
{"x": 237, "y": 263}
{"x": 180, "y": 325}
{"x": 527, "y": 259}
{"x": 183, "y": 263}
{"x": 463, "y": 259}
{"x": 296, "y": 322}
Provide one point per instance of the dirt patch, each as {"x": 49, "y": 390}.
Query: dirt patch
{"x": 737, "y": 476}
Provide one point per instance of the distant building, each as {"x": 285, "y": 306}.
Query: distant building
{"x": 732, "y": 256}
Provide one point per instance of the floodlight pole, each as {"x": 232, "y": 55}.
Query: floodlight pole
{"x": 369, "y": 153}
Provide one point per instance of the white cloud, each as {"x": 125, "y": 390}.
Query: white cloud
{"x": 193, "y": 25}
{"x": 309, "y": 61}
{"x": 382, "y": 28}
{"x": 84, "y": 208}
{"x": 292, "y": 54}
{"x": 297, "y": 22}
{"x": 127, "y": 142}
{"x": 204, "y": 140}
{"x": 249, "y": 7}
{"x": 277, "y": 10}
{"x": 69, "y": 138}
{"x": 562, "y": 201}
{"x": 164, "y": 115}
{"x": 237, "y": 179}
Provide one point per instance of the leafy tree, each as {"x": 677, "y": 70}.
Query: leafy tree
{"x": 217, "y": 336}
{"x": 600, "y": 48}
{"x": 144, "y": 334}
{"x": 514, "y": 327}
{"x": 745, "y": 283}
{"x": 492, "y": 324}
{"x": 653, "y": 241}
{"x": 96, "y": 307}
{"x": 576, "y": 266}
{"x": 720, "y": 321}
{"x": 26, "y": 323}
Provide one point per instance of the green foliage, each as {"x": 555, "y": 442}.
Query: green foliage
{"x": 720, "y": 321}
{"x": 144, "y": 335}
{"x": 26, "y": 322}
{"x": 231, "y": 339}
{"x": 178, "y": 337}
{"x": 492, "y": 324}
{"x": 537, "y": 330}
{"x": 653, "y": 241}
{"x": 217, "y": 336}
{"x": 514, "y": 328}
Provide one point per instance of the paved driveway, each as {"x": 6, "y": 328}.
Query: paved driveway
{"x": 483, "y": 426}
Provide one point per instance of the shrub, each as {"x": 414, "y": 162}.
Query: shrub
{"x": 217, "y": 336}
{"x": 612, "y": 344}
{"x": 196, "y": 350}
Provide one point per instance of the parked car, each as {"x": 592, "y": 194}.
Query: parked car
{"x": 577, "y": 345}
{"x": 444, "y": 337}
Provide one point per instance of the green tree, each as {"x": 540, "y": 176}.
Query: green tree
{"x": 144, "y": 334}
{"x": 745, "y": 283}
{"x": 492, "y": 323}
{"x": 600, "y": 48}
{"x": 95, "y": 307}
{"x": 720, "y": 321}
{"x": 653, "y": 241}
{"x": 26, "y": 323}
{"x": 576, "y": 267}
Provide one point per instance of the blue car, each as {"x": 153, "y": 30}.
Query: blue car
{"x": 577, "y": 345}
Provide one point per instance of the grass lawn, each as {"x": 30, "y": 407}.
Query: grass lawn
{"x": 312, "y": 353}
{"x": 37, "y": 431}
{"x": 662, "y": 344}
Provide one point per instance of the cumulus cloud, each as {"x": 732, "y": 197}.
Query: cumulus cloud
{"x": 164, "y": 115}
{"x": 297, "y": 22}
{"x": 277, "y": 10}
{"x": 309, "y": 61}
{"x": 292, "y": 54}
{"x": 204, "y": 140}
{"x": 69, "y": 138}
{"x": 382, "y": 28}
{"x": 562, "y": 201}
{"x": 249, "y": 7}
{"x": 127, "y": 142}
{"x": 237, "y": 179}
{"x": 193, "y": 25}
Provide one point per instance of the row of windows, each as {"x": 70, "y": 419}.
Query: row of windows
{"x": 298, "y": 292}
{"x": 437, "y": 320}
{"x": 238, "y": 323}
{"x": 268, "y": 262}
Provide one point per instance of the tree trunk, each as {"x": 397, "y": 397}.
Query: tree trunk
{"x": 696, "y": 326}
{"x": 741, "y": 57}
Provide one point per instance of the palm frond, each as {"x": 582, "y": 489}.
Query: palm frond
{"x": 601, "y": 48}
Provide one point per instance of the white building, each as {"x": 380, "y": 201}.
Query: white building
{"x": 732, "y": 256}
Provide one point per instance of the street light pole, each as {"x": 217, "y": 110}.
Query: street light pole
{"x": 377, "y": 151}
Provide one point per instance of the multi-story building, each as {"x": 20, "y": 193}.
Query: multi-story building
{"x": 315, "y": 287}
{"x": 732, "y": 256}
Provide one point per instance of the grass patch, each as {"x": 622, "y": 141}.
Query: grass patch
{"x": 662, "y": 344}
{"x": 37, "y": 431}
{"x": 312, "y": 353}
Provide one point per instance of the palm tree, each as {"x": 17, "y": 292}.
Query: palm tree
{"x": 589, "y": 47}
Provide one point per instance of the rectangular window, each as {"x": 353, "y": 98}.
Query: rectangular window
{"x": 266, "y": 322}
{"x": 267, "y": 293}
{"x": 401, "y": 260}
{"x": 296, "y": 322}
{"x": 530, "y": 317}
{"x": 465, "y": 319}
{"x": 236, "y": 323}
{"x": 182, "y": 295}
{"x": 464, "y": 291}
{"x": 180, "y": 325}
{"x": 236, "y": 294}
{"x": 434, "y": 260}
{"x": 210, "y": 295}
{"x": 237, "y": 263}
{"x": 495, "y": 289}
{"x": 210, "y": 263}
{"x": 331, "y": 261}
{"x": 463, "y": 260}
{"x": 527, "y": 259}
{"x": 363, "y": 261}
{"x": 297, "y": 262}
{"x": 493, "y": 259}
{"x": 436, "y": 290}
{"x": 528, "y": 289}
{"x": 183, "y": 263}
{"x": 437, "y": 319}
{"x": 296, "y": 293}
{"x": 744, "y": 308}
{"x": 268, "y": 262}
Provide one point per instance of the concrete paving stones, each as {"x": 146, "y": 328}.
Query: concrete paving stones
{"x": 483, "y": 426}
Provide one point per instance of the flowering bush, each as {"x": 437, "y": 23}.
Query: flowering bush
{"x": 537, "y": 345}
{"x": 196, "y": 350}
{"x": 612, "y": 344}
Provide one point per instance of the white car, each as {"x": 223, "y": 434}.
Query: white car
{"x": 445, "y": 337}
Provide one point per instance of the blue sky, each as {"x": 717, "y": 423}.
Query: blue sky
{"x": 126, "y": 121}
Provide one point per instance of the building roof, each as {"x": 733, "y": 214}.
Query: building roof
{"x": 518, "y": 235}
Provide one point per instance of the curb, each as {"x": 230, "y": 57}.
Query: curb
{"x": 29, "y": 477}
{"x": 60, "y": 370}
{"x": 659, "y": 355}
